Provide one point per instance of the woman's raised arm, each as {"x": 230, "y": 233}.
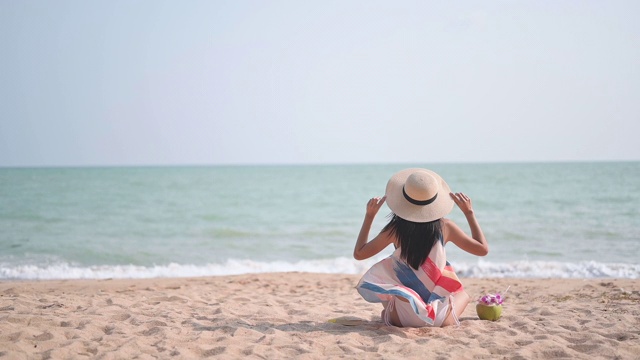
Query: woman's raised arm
{"x": 476, "y": 244}
{"x": 363, "y": 249}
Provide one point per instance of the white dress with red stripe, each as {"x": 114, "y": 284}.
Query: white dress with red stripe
{"x": 428, "y": 290}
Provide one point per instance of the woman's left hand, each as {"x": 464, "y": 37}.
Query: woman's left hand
{"x": 363, "y": 249}
{"x": 463, "y": 202}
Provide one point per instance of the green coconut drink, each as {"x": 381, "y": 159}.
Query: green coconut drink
{"x": 489, "y": 306}
{"x": 489, "y": 312}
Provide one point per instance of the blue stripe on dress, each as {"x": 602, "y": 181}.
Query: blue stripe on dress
{"x": 408, "y": 278}
{"x": 379, "y": 290}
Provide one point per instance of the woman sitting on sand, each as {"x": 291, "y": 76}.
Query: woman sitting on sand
{"x": 416, "y": 284}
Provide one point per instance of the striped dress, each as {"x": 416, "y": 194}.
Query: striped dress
{"x": 427, "y": 289}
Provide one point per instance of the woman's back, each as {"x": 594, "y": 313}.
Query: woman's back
{"x": 415, "y": 239}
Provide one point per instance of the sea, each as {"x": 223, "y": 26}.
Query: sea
{"x": 541, "y": 220}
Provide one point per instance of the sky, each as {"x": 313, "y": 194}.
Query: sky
{"x": 109, "y": 83}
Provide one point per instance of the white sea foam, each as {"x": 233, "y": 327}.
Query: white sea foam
{"x": 548, "y": 269}
{"x": 521, "y": 269}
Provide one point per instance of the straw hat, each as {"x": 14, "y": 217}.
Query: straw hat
{"x": 418, "y": 195}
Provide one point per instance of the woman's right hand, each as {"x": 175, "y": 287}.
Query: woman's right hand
{"x": 374, "y": 205}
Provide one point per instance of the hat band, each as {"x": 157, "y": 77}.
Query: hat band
{"x": 418, "y": 202}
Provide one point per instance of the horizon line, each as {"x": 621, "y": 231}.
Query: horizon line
{"x": 295, "y": 164}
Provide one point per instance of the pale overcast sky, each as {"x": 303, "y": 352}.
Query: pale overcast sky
{"x": 282, "y": 82}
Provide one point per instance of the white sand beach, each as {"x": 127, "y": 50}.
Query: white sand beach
{"x": 285, "y": 315}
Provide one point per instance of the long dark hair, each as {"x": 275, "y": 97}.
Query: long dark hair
{"x": 416, "y": 239}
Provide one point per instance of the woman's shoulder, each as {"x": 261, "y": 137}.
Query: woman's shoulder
{"x": 447, "y": 222}
{"x": 447, "y": 226}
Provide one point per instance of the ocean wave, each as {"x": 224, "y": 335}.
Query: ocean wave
{"x": 481, "y": 269}
{"x": 548, "y": 269}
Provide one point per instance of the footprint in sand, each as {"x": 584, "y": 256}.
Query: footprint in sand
{"x": 108, "y": 330}
{"x": 569, "y": 327}
{"x": 582, "y": 311}
{"x": 43, "y": 337}
{"x": 92, "y": 350}
{"x": 70, "y": 335}
{"x": 120, "y": 317}
{"x": 547, "y": 312}
{"x": 82, "y": 324}
{"x": 17, "y": 320}
{"x": 585, "y": 348}
{"x": 150, "y": 332}
{"x": 524, "y": 342}
{"x": 156, "y": 323}
{"x": 620, "y": 336}
{"x": 13, "y": 337}
{"x": 135, "y": 322}
{"x": 557, "y": 353}
{"x": 212, "y": 352}
{"x": 157, "y": 300}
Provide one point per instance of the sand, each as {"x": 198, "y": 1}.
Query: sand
{"x": 285, "y": 315}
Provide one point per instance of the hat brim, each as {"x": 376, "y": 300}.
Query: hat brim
{"x": 417, "y": 213}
